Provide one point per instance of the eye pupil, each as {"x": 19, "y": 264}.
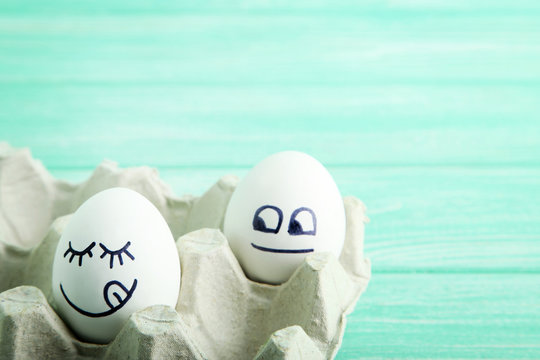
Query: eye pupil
{"x": 259, "y": 224}
{"x": 295, "y": 228}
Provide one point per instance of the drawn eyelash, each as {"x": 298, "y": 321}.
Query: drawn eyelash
{"x": 116, "y": 253}
{"x": 80, "y": 254}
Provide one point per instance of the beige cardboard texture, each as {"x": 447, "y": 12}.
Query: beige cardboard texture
{"x": 220, "y": 313}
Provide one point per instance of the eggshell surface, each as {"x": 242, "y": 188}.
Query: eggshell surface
{"x": 116, "y": 256}
{"x": 286, "y": 207}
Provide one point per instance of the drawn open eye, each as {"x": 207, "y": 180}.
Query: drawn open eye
{"x": 80, "y": 254}
{"x": 118, "y": 253}
{"x": 303, "y": 222}
{"x": 268, "y": 219}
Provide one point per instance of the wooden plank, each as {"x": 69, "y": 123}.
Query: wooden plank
{"x": 444, "y": 84}
{"x": 177, "y": 126}
{"x": 272, "y": 49}
{"x": 344, "y": 7}
{"x": 427, "y": 220}
{"x": 446, "y": 316}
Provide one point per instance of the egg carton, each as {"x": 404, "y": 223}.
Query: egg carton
{"x": 220, "y": 313}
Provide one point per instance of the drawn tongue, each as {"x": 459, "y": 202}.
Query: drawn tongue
{"x": 114, "y": 293}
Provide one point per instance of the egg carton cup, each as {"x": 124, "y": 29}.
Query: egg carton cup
{"x": 220, "y": 313}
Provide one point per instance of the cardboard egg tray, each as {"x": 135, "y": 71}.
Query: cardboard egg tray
{"x": 220, "y": 313}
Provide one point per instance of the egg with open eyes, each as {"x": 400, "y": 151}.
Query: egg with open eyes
{"x": 286, "y": 207}
{"x": 116, "y": 256}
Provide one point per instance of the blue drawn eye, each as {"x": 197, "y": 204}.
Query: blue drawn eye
{"x": 80, "y": 254}
{"x": 303, "y": 222}
{"x": 267, "y": 213}
{"x": 116, "y": 253}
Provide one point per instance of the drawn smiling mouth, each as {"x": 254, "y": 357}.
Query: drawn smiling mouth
{"x": 282, "y": 251}
{"x": 113, "y": 309}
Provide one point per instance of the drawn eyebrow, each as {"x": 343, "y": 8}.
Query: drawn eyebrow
{"x": 116, "y": 253}
{"x": 80, "y": 254}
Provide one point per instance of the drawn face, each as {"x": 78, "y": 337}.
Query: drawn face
{"x": 302, "y": 222}
{"x": 285, "y": 208}
{"x": 111, "y": 260}
{"x": 122, "y": 297}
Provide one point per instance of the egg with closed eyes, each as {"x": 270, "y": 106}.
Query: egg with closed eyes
{"x": 286, "y": 207}
{"x": 116, "y": 256}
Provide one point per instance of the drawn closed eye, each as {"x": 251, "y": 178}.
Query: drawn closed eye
{"x": 303, "y": 222}
{"x": 118, "y": 253}
{"x": 80, "y": 254}
{"x": 268, "y": 219}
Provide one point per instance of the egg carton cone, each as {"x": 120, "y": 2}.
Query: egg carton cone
{"x": 220, "y": 313}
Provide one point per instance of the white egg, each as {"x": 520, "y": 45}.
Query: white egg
{"x": 286, "y": 207}
{"x": 116, "y": 256}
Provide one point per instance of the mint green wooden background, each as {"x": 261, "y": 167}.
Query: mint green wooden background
{"x": 429, "y": 111}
